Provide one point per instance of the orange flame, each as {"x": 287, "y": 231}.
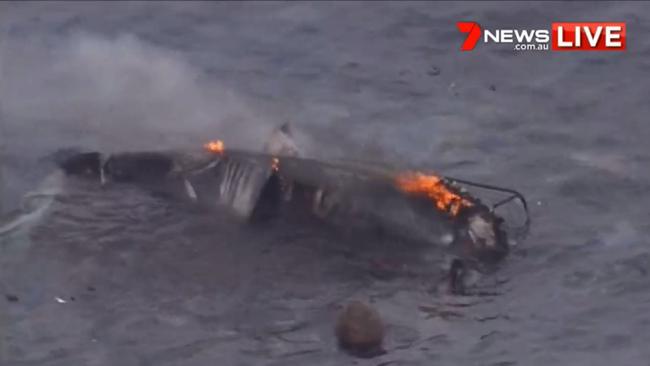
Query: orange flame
{"x": 275, "y": 164}
{"x": 434, "y": 188}
{"x": 215, "y": 146}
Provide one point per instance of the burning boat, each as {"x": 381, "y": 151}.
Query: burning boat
{"x": 418, "y": 206}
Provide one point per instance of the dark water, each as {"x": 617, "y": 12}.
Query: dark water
{"x": 155, "y": 282}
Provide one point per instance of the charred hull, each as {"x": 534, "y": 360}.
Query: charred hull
{"x": 258, "y": 186}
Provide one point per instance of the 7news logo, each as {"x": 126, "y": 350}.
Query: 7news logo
{"x": 585, "y": 36}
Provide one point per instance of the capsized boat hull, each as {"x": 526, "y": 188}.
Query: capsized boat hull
{"x": 255, "y": 185}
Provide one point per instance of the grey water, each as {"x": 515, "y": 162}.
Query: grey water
{"x": 116, "y": 276}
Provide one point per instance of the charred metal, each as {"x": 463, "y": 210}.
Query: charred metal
{"x": 416, "y": 207}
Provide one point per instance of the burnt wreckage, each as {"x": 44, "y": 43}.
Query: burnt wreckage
{"x": 415, "y": 206}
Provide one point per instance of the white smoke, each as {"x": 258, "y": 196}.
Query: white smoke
{"x": 108, "y": 94}
{"x": 119, "y": 93}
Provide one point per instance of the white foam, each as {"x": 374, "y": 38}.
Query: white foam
{"x": 36, "y": 203}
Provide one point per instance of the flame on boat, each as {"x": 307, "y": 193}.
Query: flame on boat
{"x": 215, "y": 146}
{"x": 275, "y": 164}
{"x": 433, "y": 187}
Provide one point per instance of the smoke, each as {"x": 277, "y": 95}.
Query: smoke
{"x": 109, "y": 94}
{"x": 118, "y": 93}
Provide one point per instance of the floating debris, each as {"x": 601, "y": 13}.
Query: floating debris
{"x": 360, "y": 330}
{"x": 434, "y": 71}
{"x": 417, "y": 206}
{"x": 11, "y": 298}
